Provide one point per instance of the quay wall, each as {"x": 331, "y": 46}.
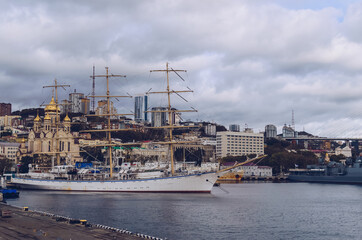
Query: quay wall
{"x": 24, "y": 223}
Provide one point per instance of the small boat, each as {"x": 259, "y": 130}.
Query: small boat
{"x": 9, "y": 193}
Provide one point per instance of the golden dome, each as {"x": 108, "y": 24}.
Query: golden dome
{"x": 66, "y": 119}
{"x": 52, "y": 107}
{"x": 37, "y": 119}
{"x": 47, "y": 117}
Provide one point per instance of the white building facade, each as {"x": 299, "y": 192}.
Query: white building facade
{"x": 75, "y": 102}
{"x": 346, "y": 151}
{"x": 258, "y": 171}
{"x": 210, "y": 129}
{"x": 239, "y": 143}
{"x": 270, "y": 131}
{"x": 9, "y": 150}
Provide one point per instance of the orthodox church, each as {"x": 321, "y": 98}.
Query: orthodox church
{"x": 47, "y": 137}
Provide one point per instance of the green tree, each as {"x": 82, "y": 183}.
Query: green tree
{"x": 5, "y": 165}
{"x": 281, "y": 156}
{"x": 238, "y": 159}
{"x": 337, "y": 158}
{"x": 24, "y": 164}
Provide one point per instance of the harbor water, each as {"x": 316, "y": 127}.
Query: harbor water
{"x": 234, "y": 211}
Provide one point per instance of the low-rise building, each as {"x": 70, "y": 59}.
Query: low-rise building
{"x": 346, "y": 151}
{"x": 8, "y": 150}
{"x": 258, "y": 171}
{"x": 289, "y": 132}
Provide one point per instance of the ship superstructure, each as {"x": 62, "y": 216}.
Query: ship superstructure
{"x": 329, "y": 172}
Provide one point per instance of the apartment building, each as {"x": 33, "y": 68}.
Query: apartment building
{"x": 230, "y": 143}
{"x": 9, "y": 150}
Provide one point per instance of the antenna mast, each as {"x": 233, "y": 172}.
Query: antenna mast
{"x": 293, "y": 123}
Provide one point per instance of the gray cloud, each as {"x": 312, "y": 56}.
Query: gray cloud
{"x": 248, "y": 62}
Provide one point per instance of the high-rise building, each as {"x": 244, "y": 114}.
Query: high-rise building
{"x": 85, "y": 105}
{"x": 239, "y": 143}
{"x": 270, "y": 131}
{"x": 234, "y": 127}
{"x": 210, "y": 129}
{"x": 102, "y": 108}
{"x": 176, "y": 117}
{"x": 5, "y": 109}
{"x": 75, "y": 102}
{"x": 140, "y": 108}
{"x": 64, "y": 106}
{"x": 158, "y": 118}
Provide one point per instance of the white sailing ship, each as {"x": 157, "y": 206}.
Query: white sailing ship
{"x": 148, "y": 181}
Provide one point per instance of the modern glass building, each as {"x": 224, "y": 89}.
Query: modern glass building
{"x": 234, "y": 127}
{"x": 140, "y": 108}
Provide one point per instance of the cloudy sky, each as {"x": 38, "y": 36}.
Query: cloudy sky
{"x": 249, "y": 62}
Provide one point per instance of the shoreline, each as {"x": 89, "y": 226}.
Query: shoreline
{"x": 30, "y": 224}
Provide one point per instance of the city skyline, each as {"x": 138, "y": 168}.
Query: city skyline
{"x": 248, "y": 63}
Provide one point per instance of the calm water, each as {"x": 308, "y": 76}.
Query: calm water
{"x": 241, "y": 211}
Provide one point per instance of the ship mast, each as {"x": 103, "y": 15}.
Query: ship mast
{"x": 170, "y": 111}
{"x": 55, "y": 86}
{"x": 109, "y": 114}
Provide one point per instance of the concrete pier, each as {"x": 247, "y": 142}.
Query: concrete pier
{"x": 247, "y": 179}
{"x": 36, "y": 225}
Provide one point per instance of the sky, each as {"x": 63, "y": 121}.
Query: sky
{"x": 249, "y": 62}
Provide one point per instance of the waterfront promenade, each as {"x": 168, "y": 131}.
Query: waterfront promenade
{"x": 32, "y": 225}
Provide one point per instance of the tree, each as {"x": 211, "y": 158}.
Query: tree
{"x": 5, "y": 165}
{"x": 220, "y": 128}
{"x": 281, "y": 158}
{"x": 337, "y": 158}
{"x": 77, "y": 127}
{"x": 24, "y": 164}
{"x": 6, "y": 133}
{"x": 238, "y": 159}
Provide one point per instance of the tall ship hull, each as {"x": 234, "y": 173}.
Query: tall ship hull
{"x": 197, "y": 183}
